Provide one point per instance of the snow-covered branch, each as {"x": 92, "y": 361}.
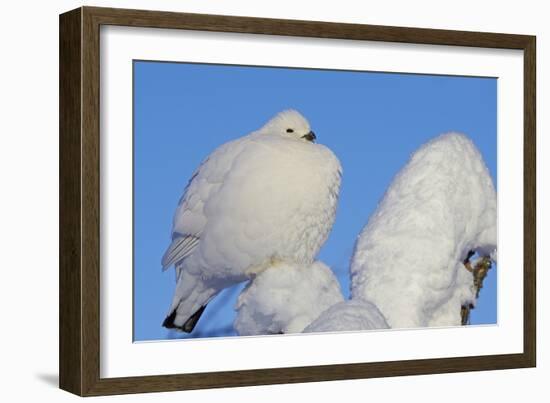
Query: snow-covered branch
{"x": 348, "y": 316}
{"x": 286, "y": 298}
{"x": 408, "y": 259}
{"x": 410, "y": 263}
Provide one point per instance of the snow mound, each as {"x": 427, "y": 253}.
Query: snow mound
{"x": 348, "y": 316}
{"x": 285, "y": 298}
{"x": 408, "y": 258}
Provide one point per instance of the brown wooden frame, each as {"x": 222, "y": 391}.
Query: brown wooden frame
{"x": 80, "y": 185}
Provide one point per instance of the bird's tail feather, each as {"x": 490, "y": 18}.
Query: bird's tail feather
{"x": 189, "y": 324}
{"x": 189, "y": 302}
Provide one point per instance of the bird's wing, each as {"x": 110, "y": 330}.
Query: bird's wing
{"x": 190, "y": 217}
{"x": 179, "y": 249}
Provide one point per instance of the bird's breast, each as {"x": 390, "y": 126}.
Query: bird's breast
{"x": 278, "y": 201}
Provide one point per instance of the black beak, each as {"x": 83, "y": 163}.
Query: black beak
{"x": 310, "y": 137}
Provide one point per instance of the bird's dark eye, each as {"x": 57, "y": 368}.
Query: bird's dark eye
{"x": 289, "y": 130}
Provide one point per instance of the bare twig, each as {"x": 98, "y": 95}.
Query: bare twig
{"x": 479, "y": 272}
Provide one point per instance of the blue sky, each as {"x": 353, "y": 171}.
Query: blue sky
{"x": 372, "y": 121}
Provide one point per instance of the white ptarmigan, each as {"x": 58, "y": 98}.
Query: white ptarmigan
{"x": 267, "y": 197}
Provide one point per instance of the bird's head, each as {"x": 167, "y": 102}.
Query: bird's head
{"x": 291, "y": 124}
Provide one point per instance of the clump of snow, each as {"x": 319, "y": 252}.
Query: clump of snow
{"x": 348, "y": 316}
{"x": 408, "y": 258}
{"x": 494, "y": 256}
{"x": 285, "y": 298}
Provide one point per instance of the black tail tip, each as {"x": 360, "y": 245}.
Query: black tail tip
{"x": 169, "y": 321}
{"x": 189, "y": 324}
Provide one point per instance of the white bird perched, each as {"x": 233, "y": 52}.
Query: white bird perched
{"x": 285, "y": 298}
{"x": 266, "y": 197}
{"x": 408, "y": 260}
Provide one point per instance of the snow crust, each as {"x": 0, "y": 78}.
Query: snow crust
{"x": 408, "y": 258}
{"x": 285, "y": 298}
{"x": 349, "y": 316}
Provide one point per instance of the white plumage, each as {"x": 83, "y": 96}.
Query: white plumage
{"x": 266, "y": 197}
